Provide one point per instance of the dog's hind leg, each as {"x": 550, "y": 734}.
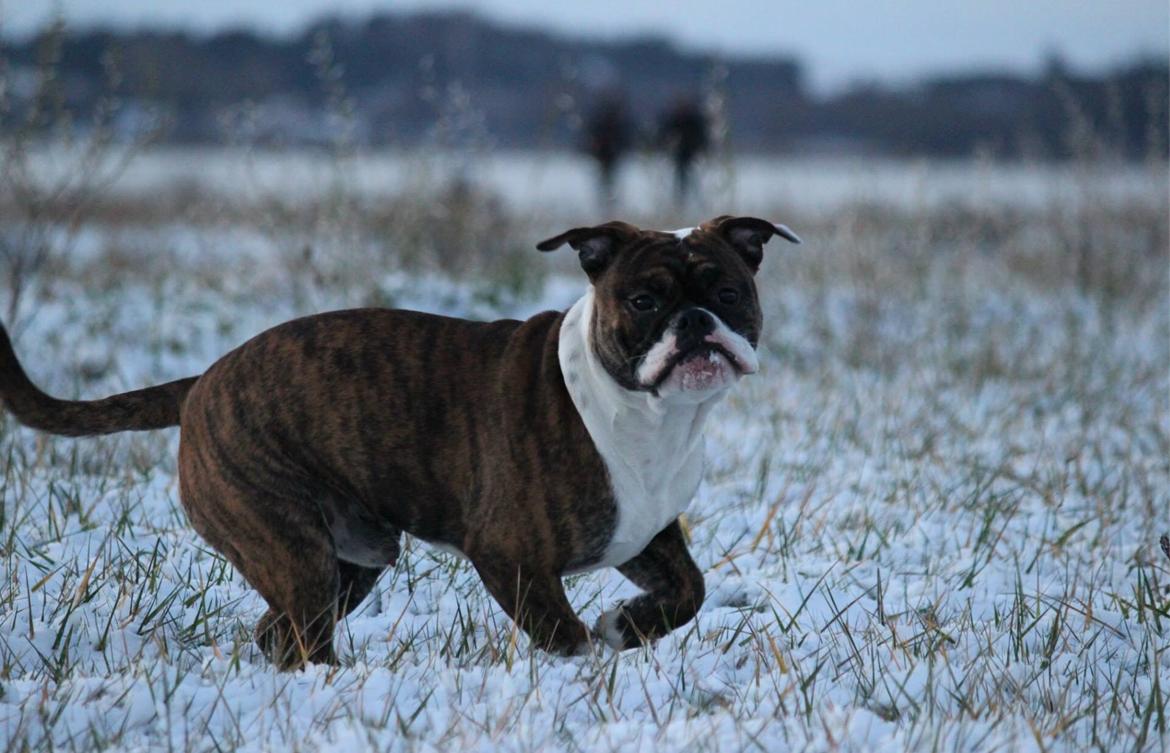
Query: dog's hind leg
{"x": 284, "y": 550}
{"x": 356, "y": 583}
{"x": 288, "y": 644}
{"x": 298, "y": 626}
{"x": 296, "y": 571}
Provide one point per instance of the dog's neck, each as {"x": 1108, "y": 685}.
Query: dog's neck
{"x": 652, "y": 445}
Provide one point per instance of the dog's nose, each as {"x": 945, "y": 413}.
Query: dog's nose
{"x": 695, "y": 322}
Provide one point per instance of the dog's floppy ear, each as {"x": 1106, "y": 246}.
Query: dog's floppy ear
{"x": 595, "y": 246}
{"x": 747, "y": 235}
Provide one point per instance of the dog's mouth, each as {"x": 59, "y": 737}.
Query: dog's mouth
{"x": 705, "y": 366}
{"x": 681, "y": 362}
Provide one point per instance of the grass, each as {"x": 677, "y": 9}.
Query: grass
{"x": 930, "y": 523}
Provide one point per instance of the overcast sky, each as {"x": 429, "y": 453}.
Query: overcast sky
{"x": 839, "y": 40}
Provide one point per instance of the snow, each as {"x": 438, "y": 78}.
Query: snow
{"x": 929, "y": 522}
{"x": 548, "y": 182}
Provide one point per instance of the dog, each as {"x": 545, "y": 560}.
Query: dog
{"x": 535, "y": 449}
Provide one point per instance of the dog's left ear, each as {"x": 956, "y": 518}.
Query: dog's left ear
{"x": 747, "y": 235}
{"x": 595, "y": 246}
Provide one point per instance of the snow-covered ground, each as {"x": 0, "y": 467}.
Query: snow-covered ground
{"x": 556, "y": 181}
{"x": 930, "y": 523}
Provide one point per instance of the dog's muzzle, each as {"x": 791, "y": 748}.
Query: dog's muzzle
{"x": 698, "y": 352}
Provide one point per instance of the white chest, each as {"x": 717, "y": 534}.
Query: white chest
{"x": 653, "y": 483}
{"x": 652, "y": 449}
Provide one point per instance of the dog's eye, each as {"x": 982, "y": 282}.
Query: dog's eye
{"x": 643, "y": 302}
{"x": 729, "y": 296}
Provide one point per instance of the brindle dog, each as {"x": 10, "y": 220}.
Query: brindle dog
{"x": 534, "y": 448}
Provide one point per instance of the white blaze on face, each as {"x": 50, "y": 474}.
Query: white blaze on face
{"x": 737, "y": 345}
{"x": 658, "y": 358}
{"x": 713, "y": 373}
{"x": 682, "y": 232}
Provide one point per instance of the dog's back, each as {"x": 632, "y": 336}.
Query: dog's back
{"x": 363, "y": 405}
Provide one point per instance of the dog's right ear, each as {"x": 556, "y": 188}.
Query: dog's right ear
{"x": 595, "y": 246}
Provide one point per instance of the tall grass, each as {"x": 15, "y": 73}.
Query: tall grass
{"x": 932, "y": 522}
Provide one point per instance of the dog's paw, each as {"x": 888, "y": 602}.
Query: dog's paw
{"x": 584, "y": 648}
{"x": 569, "y": 649}
{"x": 611, "y": 629}
{"x": 580, "y": 648}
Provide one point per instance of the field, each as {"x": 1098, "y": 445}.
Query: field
{"x": 930, "y": 523}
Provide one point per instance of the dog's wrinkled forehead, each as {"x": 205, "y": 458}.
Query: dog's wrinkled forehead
{"x": 677, "y": 255}
{"x": 734, "y": 243}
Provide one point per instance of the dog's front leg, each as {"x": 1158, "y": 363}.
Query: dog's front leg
{"x": 674, "y": 592}
{"x": 535, "y": 598}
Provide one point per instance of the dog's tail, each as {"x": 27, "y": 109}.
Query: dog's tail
{"x": 150, "y": 408}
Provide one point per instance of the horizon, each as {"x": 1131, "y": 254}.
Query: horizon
{"x": 846, "y": 58}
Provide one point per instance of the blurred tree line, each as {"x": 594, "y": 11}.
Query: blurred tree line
{"x": 410, "y": 79}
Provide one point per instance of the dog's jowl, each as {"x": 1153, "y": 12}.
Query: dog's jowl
{"x": 536, "y": 449}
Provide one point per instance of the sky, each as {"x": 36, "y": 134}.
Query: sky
{"x": 840, "y": 41}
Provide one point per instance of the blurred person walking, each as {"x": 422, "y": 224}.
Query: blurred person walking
{"x": 684, "y": 132}
{"x": 607, "y": 139}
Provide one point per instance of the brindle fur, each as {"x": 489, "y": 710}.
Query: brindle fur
{"x": 306, "y": 452}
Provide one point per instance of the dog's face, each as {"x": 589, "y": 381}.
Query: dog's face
{"x": 674, "y": 314}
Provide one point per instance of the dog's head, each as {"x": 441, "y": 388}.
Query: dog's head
{"x": 674, "y": 313}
